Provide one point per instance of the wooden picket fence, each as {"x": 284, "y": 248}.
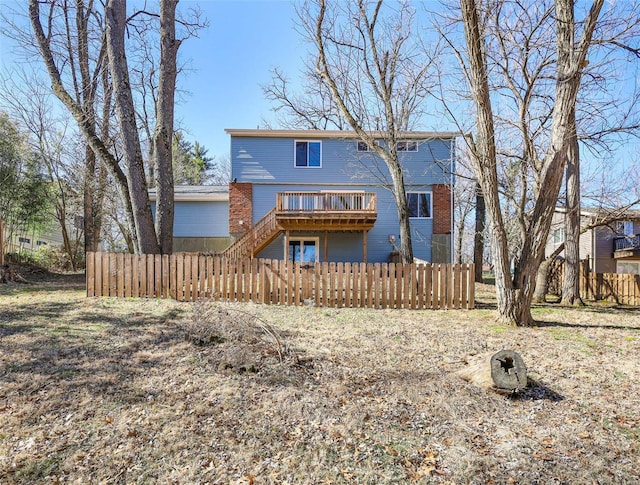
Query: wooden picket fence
{"x": 189, "y": 277}
{"x": 619, "y": 288}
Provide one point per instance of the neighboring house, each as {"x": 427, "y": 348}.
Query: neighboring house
{"x": 18, "y": 240}
{"x": 611, "y": 248}
{"x": 318, "y": 196}
{"x": 201, "y": 214}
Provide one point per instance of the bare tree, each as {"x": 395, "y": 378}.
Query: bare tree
{"x": 131, "y": 181}
{"x": 54, "y": 143}
{"x": 369, "y": 74}
{"x": 515, "y": 293}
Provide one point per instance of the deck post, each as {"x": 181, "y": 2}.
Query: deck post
{"x": 287, "y": 234}
{"x": 364, "y": 246}
{"x": 326, "y": 246}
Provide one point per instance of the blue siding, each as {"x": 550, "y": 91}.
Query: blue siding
{"x": 348, "y": 246}
{"x": 271, "y": 160}
{"x": 268, "y": 163}
{"x": 201, "y": 219}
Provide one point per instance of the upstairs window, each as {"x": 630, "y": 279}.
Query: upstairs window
{"x": 624, "y": 228}
{"x": 419, "y": 204}
{"x": 559, "y": 235}
{"x": 308, "y": 154}
{"x": 363, "y": 147}
{"x": 407, "y": 146}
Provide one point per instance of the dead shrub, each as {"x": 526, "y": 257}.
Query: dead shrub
{"x": 243, "y": 341}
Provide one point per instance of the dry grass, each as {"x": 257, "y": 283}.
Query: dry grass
{"x": 133, "y": 391}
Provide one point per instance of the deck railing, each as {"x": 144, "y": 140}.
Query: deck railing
{"x": 326, "y": 202}
{"x": 254, "y": 238}
{"x": 626, "y": 242}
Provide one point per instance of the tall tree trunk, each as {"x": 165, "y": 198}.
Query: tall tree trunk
{"x": 163, "y": 135}
{"x": 85, "y": 122}
{"x": 115, "y": 13}
{"x": 478, "y": 238}
{"x": 406, "y": 248}
{"x": 88, "y": 201}
{"x": 514, "y": 295}
{"x": 571, "y": 283}
{"x": 510, "y": 308}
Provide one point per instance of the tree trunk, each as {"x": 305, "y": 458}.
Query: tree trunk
{"x": 163, "y": 136}
{"x": 515, "y": 294}
{"x": 90, "y": 238}
{"x": 115, "y": 13}
{"x": 542, "y": 281}
{"x": 571, "y": 283}
{"x": 478, "y": 239}
{"x": 85, "y": 123}
{"x": 406, "y": 248}
{"x": 503, "y": 371}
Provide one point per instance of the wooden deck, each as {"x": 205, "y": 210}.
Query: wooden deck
{"x": 326, "y": 211}
{"x": 307, "y": 211}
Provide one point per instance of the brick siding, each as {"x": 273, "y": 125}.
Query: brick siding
{"x": 240, "y": 207}
{"x": 441, "y": 209}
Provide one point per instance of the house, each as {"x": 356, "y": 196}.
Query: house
{"x": 20, "y": 240}
{"x": 323, "y": 196}
{"x": 200, "y": 217}
{"x": 611, "y": 243}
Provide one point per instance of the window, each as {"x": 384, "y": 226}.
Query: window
{"x": 629, "y": 267}
{"x": 407, "y": 146}
{"x": 308, "y": 154}
{"x": 363, "y": 147}
{"x": 419, "y": 204}
{"x": 41, "y": 243}
{"x": 559, "y": 235}
{"x": 624, "y": 228}
{"x": 24, "y": 240}
{"x": 303, "y": 250}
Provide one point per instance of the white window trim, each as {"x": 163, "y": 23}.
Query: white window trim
{"x": 302, "y": 239}
{"x": 430, "y": 203}
{"x": 295, "y": 142}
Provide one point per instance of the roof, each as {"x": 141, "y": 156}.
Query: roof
{"x": 611, "y": 213}
{"x": 196, "y": 193}
{"x": 339, "y": 134}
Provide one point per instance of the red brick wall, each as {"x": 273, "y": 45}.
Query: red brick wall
{"x": 240, "y": 207}
{"x": 441, "y": 209}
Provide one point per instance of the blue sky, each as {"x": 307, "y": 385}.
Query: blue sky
{"x": 230, "y": 61}
{"x": 226, "y": 64}
{"x": 233, "y": 57}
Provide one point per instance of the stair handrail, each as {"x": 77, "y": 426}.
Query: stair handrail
{"x": 246, "y": 244}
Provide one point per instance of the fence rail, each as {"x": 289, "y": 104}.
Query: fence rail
{"x": 188, "y": 277}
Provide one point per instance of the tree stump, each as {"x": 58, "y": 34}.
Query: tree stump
{"x": 503, "y": 371}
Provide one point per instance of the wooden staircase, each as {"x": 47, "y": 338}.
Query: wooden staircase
{"x": 256, "y": 239}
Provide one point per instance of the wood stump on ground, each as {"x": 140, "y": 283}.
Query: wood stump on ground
{"x": 503, "y": 371}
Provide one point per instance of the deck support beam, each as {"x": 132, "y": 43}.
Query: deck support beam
{"x": 364, "y": 246}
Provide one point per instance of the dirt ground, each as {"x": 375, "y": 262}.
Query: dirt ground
{"x": 147, "y": 391}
